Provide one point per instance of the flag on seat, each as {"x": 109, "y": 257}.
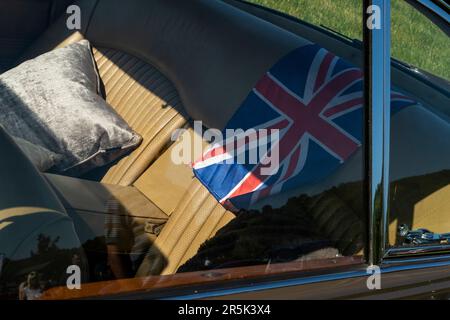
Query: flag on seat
{"x": 315, "y": 101}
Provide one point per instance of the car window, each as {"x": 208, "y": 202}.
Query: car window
{"x": 292, "y": 188}
{"x": 308, "y": 205}
{"x": 277, "y": 189}
{"x": 343, "y": 16}
{"x": 415, "y": 39}
{"x": 420, "y": 159}
{"x": 267, "y": 193}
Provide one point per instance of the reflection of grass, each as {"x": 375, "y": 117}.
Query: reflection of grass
{"x": 415, "y": 39}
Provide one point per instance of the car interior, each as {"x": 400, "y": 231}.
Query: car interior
{"x": 164, "y": 64}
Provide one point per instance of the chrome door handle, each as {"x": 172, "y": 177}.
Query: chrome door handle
{"x": 422, "y": 236}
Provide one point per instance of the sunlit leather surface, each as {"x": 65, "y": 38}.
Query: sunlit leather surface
{"x": 147, "y": 101}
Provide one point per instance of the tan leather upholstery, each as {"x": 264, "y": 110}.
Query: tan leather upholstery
{"x": 140, "y": 220}
{"x": 147, "y": 101}
{"x": 420, "y": 202}
{"x": 166, "y": 182}
{"x": 195, "y": 215}
{"x": 197, "y": 218}
{"x": 84, "y": 195}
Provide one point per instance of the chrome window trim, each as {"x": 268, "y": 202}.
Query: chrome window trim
{"x": 411, "y": 251}
{"x": 377, "y": 87}
{"x": 415, "y": 259}
{"x": 437, "y": 9}
{"x": 273, "y": 285}
{"x": 361, "y": 272}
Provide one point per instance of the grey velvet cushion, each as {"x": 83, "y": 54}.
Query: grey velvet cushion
{"x": 53, "y": 102}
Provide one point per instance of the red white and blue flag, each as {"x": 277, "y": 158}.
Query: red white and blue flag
{"x": 315, "y": 100}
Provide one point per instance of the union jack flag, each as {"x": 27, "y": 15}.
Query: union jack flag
{"x": 315, "y": 100}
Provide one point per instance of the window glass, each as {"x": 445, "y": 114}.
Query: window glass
{"x": 419, "y": 42}
{"x": 273, "y": 186}
{"x": 310, "y": 206}
{"x": 343, "y": 16}
{"x": 415, "y": 39}
{"x": 420, "y": 144}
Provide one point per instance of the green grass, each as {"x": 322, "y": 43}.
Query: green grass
{"x": 415, "y": 39}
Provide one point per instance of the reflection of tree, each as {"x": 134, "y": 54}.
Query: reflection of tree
{"x": 306, "y": 227}
{"x": 48, "y": 260}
